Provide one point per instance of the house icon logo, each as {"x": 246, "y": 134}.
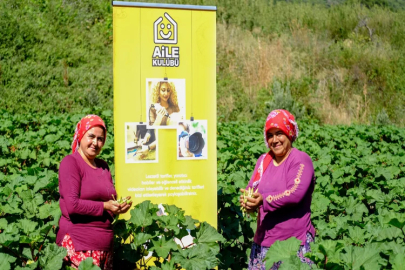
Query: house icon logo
{"x": 165, "y": 32}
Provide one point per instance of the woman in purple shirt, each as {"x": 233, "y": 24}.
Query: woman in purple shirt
{"x": 284, "y": 179}
{"x": 86, "y": 192}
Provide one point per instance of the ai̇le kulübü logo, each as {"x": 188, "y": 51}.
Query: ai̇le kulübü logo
{"x": 165, "y": 32}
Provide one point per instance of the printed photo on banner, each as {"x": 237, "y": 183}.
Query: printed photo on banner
{"x": 141, "y": 144}
{"x": 192, "y": 140}
{"x": 165, "y": 102}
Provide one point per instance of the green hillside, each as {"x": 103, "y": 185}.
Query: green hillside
{"x": 339, "y": 62}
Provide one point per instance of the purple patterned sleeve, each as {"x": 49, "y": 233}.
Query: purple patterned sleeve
{"x": 298, "y": 181}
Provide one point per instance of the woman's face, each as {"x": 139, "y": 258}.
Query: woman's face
{"x": 279, "y": 143}
{"x": 165, "y": 92}
{"x": 92, "y": 142}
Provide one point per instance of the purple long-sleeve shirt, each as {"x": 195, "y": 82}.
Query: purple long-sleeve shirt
{"x": 287, "y": 194}
{"x": 83, "y": 191}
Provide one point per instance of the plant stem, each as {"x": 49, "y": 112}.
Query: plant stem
{"x": 32, "y": 252}
{"x": 15, "y": 254}
{"x": 40, "y": 248}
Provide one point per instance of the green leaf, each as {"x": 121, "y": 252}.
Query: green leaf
{"x": 27, "y": 226}
{"x": 127, "y": 252}
{"x": 87, "y": 264}
{"x": 24, "y": 153}
{"x": 3, "y": 223}
{"x": 190, "y": 223}
{"x": 396, "y": 223}
{"x": 162, "y": 247}
{"x": 164, "y": 266}
{"x": 384, "y": 172}
{"x": 171, "y": 223}
{"x": 293, "y": 263}
{"x": 27, "y": 253}
{"x": 9, "y": 235}
{"x": 358, "y": 258}
{"x": 285, "y": 251}
{"x": 64, "y": 144}
{"x": 107, "y": 113}
{"x": 141, "y": 215}
{"x": 387, "y": 234}
{"x": 41, "y": 183}
{"x": 45, "y": 211}
{"x": 198, "y": 257}
{"x": 239, "y": 178}
{"x": 50, "y": 138}
{"x": 397, "y": 261}
{"x": 50, "y": 210}
{"x": 207, "y": 234}
{"x": 51, "y": 257}
{"x": 46, "y": 161}
{"x": 141, "y": 238}
{"x": 357, "y": 235}
{"x": 29, "y": 179}
{"x": 174, "y": 211}
{"x": 31, "y": 201}
{"x": 33, "y": 154}
{"x": 21, "y": 188}
{"x": 5, "y": 261}
{"x": 328, "y": 249}
{"x": 338, "y": 173}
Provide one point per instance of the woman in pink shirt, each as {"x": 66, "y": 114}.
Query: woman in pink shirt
{"x": 86, "y": 198}
{"x": 284, "y": 178}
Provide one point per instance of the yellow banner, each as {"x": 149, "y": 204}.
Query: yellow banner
{"x": 165, "y": 74}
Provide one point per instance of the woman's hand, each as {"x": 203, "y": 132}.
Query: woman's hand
{"x": 143, "y": 153}
{"x": 116, "y": 208}
{"x": 145, "y": 139}
{"x": 159, "y": 116}
{"x": 252, "y": 203}
{"x": 112, "y": 206}
{"x": 124, "y": 207}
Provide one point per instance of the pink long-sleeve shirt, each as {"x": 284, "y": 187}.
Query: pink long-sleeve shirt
{"x": 287, "y": 194}
{"x": 83, "y": 191}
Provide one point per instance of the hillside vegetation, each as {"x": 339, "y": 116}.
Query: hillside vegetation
{"x": 339, "y": 62}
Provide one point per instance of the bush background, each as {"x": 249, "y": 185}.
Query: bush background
{"x": 340, "y": 62}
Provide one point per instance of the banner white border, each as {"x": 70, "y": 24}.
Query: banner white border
{"x": 156, "y": 5}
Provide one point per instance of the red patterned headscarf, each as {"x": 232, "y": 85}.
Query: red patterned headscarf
{"x": 87, "y": 122}
{"x": 283, "y": 120}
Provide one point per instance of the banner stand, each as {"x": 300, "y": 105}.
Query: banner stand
{"x": 165, "y": 105}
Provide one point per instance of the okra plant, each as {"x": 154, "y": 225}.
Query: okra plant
{"x": 248, "y": 194}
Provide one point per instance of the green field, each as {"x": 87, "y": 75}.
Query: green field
{"x": 358, "y": 205}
